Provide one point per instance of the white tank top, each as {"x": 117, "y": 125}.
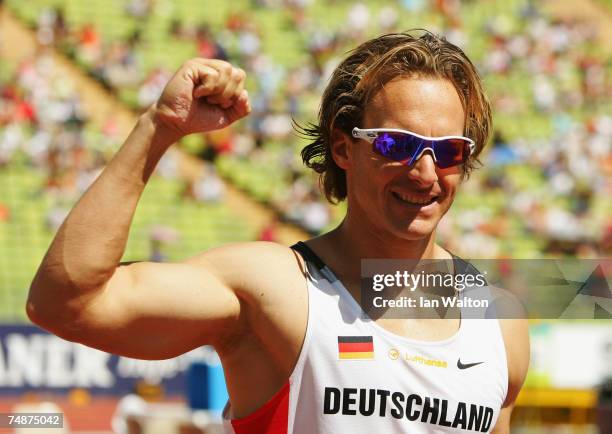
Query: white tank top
{"x": 353, "y": 376}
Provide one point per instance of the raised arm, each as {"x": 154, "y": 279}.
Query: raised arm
{"x": 82, "y": 293}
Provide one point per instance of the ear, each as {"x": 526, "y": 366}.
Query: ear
{"x": 341, "y": 145}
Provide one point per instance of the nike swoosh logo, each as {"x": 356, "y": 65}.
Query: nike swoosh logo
{"x": 466, "y": 365}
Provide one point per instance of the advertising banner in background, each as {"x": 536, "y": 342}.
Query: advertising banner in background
{"x": 32, "y": 360}
{"x": 570, "y": 355}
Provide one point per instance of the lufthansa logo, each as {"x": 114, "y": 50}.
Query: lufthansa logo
{"x": 395, "y": 354}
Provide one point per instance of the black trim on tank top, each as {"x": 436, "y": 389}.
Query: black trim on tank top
{"x": 308, "y": 254}
{"x": 311, "y": 258}
{"x": 460, "y": 265}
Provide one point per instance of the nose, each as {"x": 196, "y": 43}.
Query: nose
{"x": 423, "y": 172}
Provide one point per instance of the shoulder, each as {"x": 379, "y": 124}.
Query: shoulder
{"x": 270, "y": 284}
{"x": 245, "y": 252}
{"x": 512, "y": 318}
{"x": 253, "y": 269}
{"x": 516, "y": 340}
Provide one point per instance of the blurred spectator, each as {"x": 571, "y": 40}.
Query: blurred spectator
{"x": 152, "y": 87}
{"x": 139, "y": 8}
{"x": 269, "y": 232}
{"x": 89, "y": 44}
{"x": 501, "y": 153}
{"x": 156, "y": 252}
{"x": 413, "y": 6}
{"x": 121, "y": 67}
{"x": 161, "y": 236}
{"x": 55, "y": 217}
{"x": 358, "y": 20}
{"x": 52, "y": 27}
{"x": 207, "y": 46}
{"x": 129, "y": 406}
{"x": 177, "y": 28}
{"x": 5, "y": 213}
{"x": 387, "y": 19}
{"x": 209, "y": 188}
{"x": 249, "y": 41}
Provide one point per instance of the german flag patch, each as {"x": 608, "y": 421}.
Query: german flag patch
{"x": 355, "y": 348}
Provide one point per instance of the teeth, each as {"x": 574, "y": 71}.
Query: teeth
{"x": 415, "y": 199}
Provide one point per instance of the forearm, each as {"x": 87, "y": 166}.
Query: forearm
{"x": 90, "y": 243}
{"x": 79, "y": 285}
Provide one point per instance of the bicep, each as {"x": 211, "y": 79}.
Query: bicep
{"x": 159, "y": 310}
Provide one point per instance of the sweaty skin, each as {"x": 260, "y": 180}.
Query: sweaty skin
{"x": 248, "y": 300}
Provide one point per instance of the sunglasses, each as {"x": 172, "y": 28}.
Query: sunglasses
{"x": 407, "y": 147}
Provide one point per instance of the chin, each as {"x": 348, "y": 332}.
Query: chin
{"x": 415, "y": 230}
{"x": 412, "y": 224}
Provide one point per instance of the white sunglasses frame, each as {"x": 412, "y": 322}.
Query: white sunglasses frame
{"x": 371, "y": 134}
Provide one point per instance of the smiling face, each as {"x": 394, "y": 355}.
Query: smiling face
{"x": 388, "y": 197}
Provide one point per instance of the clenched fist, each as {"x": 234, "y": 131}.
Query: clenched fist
{"x": 203, "y": 95}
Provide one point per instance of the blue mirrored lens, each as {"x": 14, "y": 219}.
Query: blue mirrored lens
{"x": 404, "y": 147}
{"x": 396, "y": 146}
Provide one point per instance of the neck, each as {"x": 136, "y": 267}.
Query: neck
{"x": 358, "y": 242}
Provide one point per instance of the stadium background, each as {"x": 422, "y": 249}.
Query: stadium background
{"x": 74, "y": 75}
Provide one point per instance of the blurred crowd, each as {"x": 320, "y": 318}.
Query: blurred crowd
{"x": 45, "y": 128}
{"x": 566, "y": 203}
{"x": 42, "y": 120}
{"x": 562, "y": 76}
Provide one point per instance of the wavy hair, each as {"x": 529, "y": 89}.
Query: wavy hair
{"x": 365, "y": 71}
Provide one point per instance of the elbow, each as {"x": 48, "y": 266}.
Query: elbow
{"x": 60, "y": 301}
{"x": 38, "y": 302}
{"x": 52, "y": 319}
{"x": 32, "y": 313}
{"x": 58, "y": 297}
{"x": 41, "y": 313}
{"x": 50, "y": 313}
{"x": 34, "y": 306}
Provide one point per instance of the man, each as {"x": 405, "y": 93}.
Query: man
{"x": 298, "y": 353}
